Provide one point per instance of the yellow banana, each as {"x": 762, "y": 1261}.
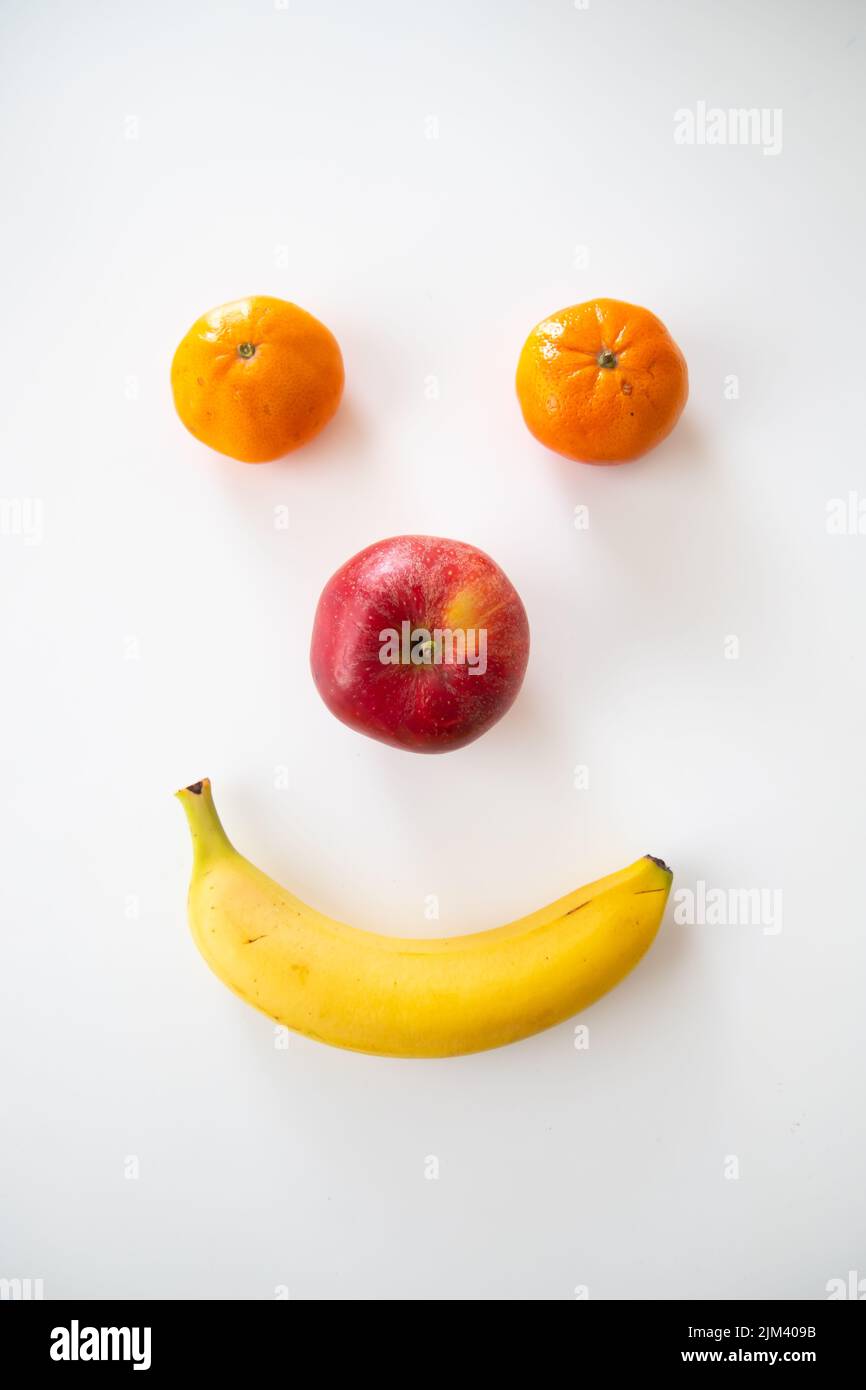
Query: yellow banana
{"x": 406, "y": 997}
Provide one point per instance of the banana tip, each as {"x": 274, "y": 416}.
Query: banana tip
{"x": 660, "y": 863}
{"x": 195, "y": 787}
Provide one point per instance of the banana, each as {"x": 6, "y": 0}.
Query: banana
{"x": 405, "y": 997}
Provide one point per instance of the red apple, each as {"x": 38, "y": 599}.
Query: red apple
{"x": 420, "y": 642}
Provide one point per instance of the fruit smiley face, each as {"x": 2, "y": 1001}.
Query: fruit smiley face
{"x": 420, "y": 642}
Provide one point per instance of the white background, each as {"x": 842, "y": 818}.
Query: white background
{"x": 161, "y": 158}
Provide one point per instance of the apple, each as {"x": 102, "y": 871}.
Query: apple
{"x": 420, "y": 642}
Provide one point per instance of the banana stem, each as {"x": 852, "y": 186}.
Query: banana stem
{"x": 209, "y": 840}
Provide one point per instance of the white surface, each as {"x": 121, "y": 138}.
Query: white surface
{"x": 160, "y": 631}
